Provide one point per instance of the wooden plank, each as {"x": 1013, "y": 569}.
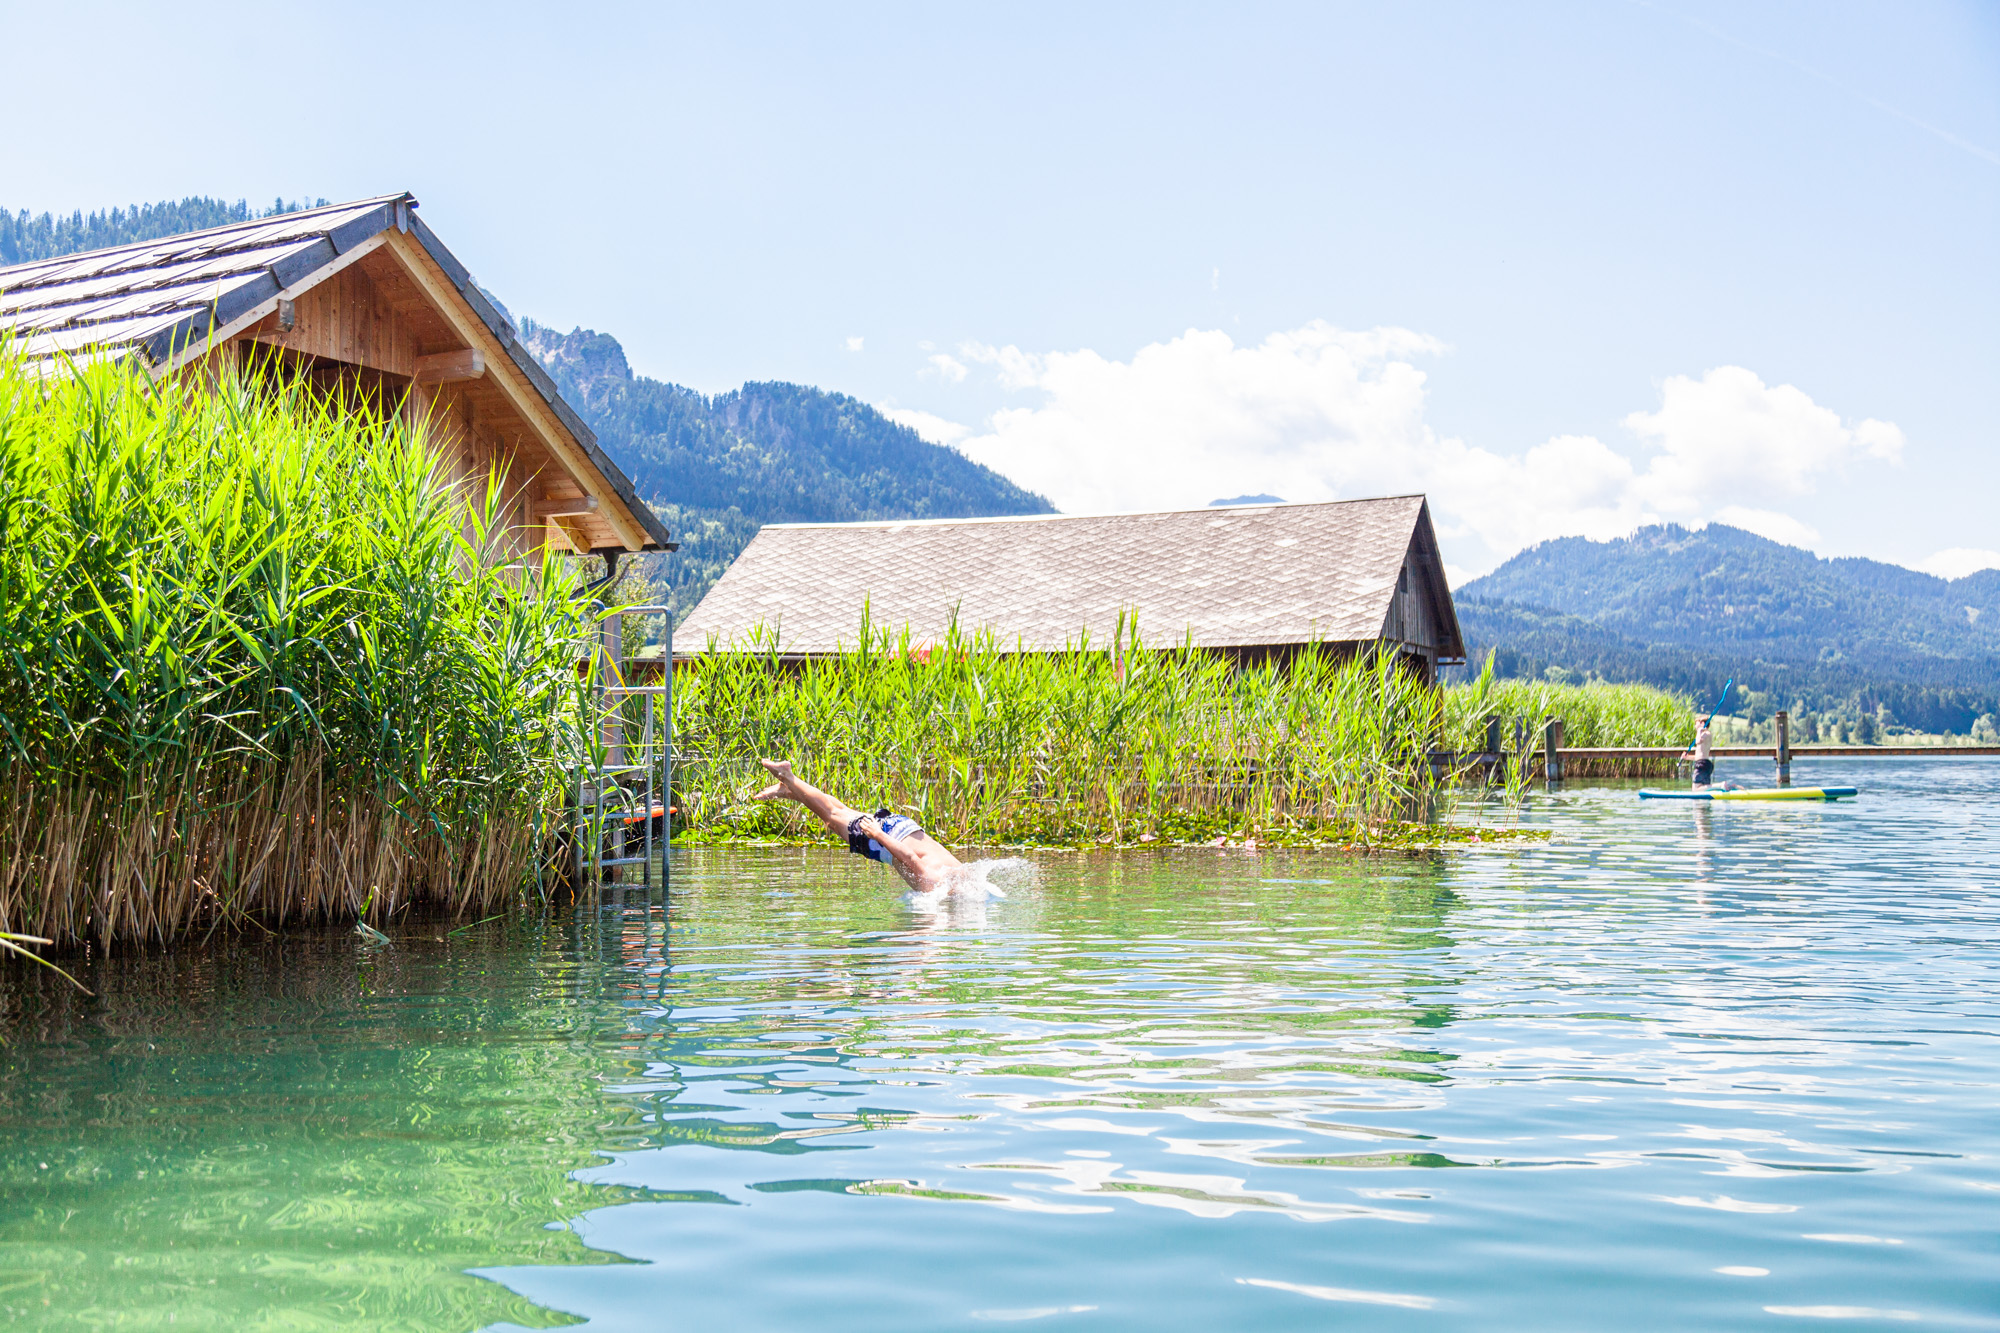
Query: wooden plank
{"x": 525, "y": 401}
{"x": 538, "y": 379}
{"x": 1797, "y": 751}
{"x": 468, "y": 363}
{"x": 570, "y": 507}
{"x": 565, "y": 533}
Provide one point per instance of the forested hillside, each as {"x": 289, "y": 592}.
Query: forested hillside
{"x": 717, "y": 468}
{"x": 1690, "y": 609}
{"x": 25, "y": 238}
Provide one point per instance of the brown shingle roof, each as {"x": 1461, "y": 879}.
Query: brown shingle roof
{"x": 154, "y": 295}
{"x": 1234, "y": 577}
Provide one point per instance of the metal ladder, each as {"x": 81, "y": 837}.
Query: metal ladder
{"x": 606, "y": 792}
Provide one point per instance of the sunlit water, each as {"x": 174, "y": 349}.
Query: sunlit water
{"x": 1681, "y": 1067}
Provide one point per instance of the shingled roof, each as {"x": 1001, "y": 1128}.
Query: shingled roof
{"x": 157, "y": 297}
{"x": 166, "y": 300}
{"x": 1249, "y": 577}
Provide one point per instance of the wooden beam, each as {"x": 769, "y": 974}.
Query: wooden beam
{"x": 563, "y": 530}
{"x": 574, "y": 507}
{"x": 468, "y": 363}
{"x": 449, "y": 302}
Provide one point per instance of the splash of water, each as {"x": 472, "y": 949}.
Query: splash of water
{"x": 978, "y": 881}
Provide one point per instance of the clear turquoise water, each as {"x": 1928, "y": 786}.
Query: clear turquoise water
{"x": 1681, "y": 1067}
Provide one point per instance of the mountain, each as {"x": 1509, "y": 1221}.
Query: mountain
{"x": 25, "y": 238}
{"x": 1690, "y": 608}
{"x": 719, "y": 467}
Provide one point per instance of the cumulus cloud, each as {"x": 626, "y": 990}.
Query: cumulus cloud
{"x": 854, "y": 343}
{"x": 947, "y": 367}
{"x": 932, "y": 427}
{"x": 1958, "y": 561}
{"x": 1319, "y": 412}
{"x": 1729, "y": 433}
{"x": 1768, "y": 523}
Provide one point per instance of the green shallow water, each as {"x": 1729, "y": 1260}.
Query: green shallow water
{"x": 1682, "y": 1067}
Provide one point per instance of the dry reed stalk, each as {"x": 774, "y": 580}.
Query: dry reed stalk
{"x": 170, "y": 857}
{"x": 266, "y": 660}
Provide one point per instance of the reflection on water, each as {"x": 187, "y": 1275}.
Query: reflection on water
{"x": 1695, "y": 1067}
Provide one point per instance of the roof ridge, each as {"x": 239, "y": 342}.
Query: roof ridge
{"x": 1107, "y": 513}
{"x": 265, "y": 221}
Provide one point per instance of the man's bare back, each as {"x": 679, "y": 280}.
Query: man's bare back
{"x": 923, "y": 861}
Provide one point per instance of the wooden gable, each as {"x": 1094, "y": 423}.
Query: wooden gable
{"x": 361, "y": 297}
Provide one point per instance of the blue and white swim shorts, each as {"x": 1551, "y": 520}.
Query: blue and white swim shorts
{"x": 899, "y": 826}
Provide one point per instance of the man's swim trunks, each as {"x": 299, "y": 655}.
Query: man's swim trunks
{"x": 898, "y": 826}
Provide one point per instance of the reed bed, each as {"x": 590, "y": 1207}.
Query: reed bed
{"x": 263, "y": 659}
{"x": 1125, "y": 743}
{"x": 1593, "y": 714}
{"x": 987, "y": 746}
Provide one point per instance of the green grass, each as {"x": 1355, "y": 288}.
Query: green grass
{"x": 263, "y": 658}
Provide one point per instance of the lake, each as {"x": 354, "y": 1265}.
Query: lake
{"x": 1678, "y": 1067}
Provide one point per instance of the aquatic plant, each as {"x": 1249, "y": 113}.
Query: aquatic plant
{"x": 264, "y": 654}
{"x": 1595, "y": 713}
{"x": 1121, "y": 742}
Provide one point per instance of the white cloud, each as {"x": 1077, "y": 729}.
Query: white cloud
{"x": 1958, "y": 561}
{"x": 932, "y": 427}
{"x": 1728, "y": 434}
{"x": 854, "y": 343}
{"x": 1319, "y": 412}
{"x": 947, "y": 367}
{"x": 1768, "y": 523}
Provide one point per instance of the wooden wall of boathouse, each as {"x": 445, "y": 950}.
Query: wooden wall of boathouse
{"x": 372, "y": 331}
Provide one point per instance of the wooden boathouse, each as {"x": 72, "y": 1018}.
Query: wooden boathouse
{"x": 1251, "y": 582}
{"x": 361, "y": 297}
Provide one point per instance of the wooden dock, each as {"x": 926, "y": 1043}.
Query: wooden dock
{"x": 1649, "y": 761}
{"x": 1613, "y": 752}
{"x": 1554, "y": 761}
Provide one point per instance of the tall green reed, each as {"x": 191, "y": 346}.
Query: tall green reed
{"x": 1115, "y": 741}
{"x": 1595, "y": 713}
{"x": 261, "y": 655}
{"x": 1123, "y": 741}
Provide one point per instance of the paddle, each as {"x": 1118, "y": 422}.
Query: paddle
{"x": 1726, "y": 685}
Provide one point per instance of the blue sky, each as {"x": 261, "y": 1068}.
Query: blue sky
{"x": 1566, "y": 267}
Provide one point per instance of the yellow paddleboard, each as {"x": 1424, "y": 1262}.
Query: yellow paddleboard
{"x": 1755, "y": 794}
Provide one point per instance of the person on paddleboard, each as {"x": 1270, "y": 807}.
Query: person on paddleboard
{"x": 896, "y": 840}
{"x": 1704, "y": 752}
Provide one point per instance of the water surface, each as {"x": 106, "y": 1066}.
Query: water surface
{"x": 1679, "y": 1067}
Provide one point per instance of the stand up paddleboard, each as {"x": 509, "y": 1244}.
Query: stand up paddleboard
{"x": 1755, "y": 794}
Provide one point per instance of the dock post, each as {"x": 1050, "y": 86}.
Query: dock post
{"x": 1784, "y": 752}
{"x": 667, "y": 755}
{"x": 1552, "y": 742}
{"x": 1496, "y": 762}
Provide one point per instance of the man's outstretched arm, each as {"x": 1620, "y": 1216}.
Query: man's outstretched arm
{"x": 895, "y": 846}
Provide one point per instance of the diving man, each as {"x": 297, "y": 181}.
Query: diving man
{"x": 892, "y": 839}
